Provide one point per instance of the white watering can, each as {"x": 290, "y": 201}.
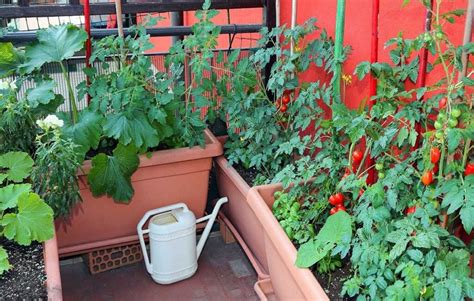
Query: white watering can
{"x": 172, "y": 236}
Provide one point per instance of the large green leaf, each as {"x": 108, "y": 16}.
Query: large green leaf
{"x": 10, "y": 194}
{"x": 336, "y": 228}
{"x": 55, "y": 44}
{"x": 86, "y": 132}
{"x": 131, "y": 128}
{"x": 41, "y": 94}
{"x": 111, "y": 174}
{"x": 10, "y": 59}
{"x": 33, "y": 221}
{"x": 18, "y": 165}
{"x": 4, "y": 264}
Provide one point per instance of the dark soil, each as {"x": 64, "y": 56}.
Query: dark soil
{"x": 26, "y": 278}
{"x": 332, "y": 283}
{"x": 248, "y": 175}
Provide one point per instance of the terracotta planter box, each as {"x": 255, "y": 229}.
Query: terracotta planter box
{"x": 287, "y": 281}
{"x": 169, "y": 176}
{"x": 51, "y": 267}
{"x": 242, "y": 221}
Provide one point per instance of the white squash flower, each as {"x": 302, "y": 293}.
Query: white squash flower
{"x": 5, "y": 85}
{"x": 51, "y": 121}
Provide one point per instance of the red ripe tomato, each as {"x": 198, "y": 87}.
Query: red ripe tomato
{"x": 333, "y": 210}
{"x": 340, "y": 208}
{"x": 427, "y": 178}
{"x": 436, "y": 168}
{"x": 469, "y": 169}
{"x": 339, "y": 197}
{"x": 410, "y": 210}
{"x": 357, "y": 156}
{"x": 285, "y": 99}
{"x": 435, "y": 154}
{"x": 283, "y": 108}
{"x": 332, "y": 200}
{"x": 457, "y": 156}
{"x": 442, "y": 103}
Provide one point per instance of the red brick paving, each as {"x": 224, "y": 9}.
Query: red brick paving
{"x": 224, "y": 273}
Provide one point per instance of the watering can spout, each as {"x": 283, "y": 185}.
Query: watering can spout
{"x": 210, "y": 218}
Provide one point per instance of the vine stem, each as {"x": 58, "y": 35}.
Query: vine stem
{"x": 72, "y": 98}
{"x": 366, "y": 153}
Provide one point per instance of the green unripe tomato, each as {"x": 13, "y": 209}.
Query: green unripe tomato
{"x": 379, "y": 166}
{"x": 427, "y": 37}
{"x": 452, "y": 122}
{"x": 455, "y": 113}
{"x": 438, "y": 125}
{"x": 439, "y": 35}
{"x": 381, "y": 175}
{"x": 439, "y": 135}
{"x": 441, "y": 117}
{"x": 435, "y": 204}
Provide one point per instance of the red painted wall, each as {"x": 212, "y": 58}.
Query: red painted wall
{"x": 392, "y": 20}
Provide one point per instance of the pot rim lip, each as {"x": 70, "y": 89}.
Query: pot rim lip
{"x": 213, "y": 148}
{"x": 283, "y": 246}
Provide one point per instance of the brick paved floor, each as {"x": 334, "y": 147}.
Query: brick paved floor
{"x": 224, "y": 273}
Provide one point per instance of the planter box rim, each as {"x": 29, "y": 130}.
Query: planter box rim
{"x": 285, "y": 249}
{"x": 52, "y": 271}
{"x": 213, "y": 148}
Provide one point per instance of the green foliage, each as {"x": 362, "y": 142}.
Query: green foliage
{"x": 24, "y": 216}
{"x": 54, "y": 176}
{"x": 10, "y": 59}
{"x": 291, "y": 217}
{"x": 261, "y": 133}
{"x": 337, "y": 230}
{"x": 33, "y": 220}
{"x": 403, "y": 247}
{"x": 111, "y": 174}
{"x": 4, "y": 264}
{"x": 55, "y": 44}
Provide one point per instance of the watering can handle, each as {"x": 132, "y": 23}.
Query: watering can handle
{"x": 142, "y": 222}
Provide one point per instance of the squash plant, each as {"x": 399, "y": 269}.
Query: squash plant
{"x": 403, "y": 245}
{"x": 55, "y": 155}
{"x": 24, "y": 216}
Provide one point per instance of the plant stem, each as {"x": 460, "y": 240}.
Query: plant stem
{"x": 72, "y": 98}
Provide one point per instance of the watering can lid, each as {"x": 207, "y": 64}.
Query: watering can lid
{"x": 172, "y": 221}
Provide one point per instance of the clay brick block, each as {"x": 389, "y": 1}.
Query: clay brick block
{"x": 102, "y": 260}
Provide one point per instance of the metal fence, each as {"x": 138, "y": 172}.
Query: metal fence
{"x": 76, "y": 65}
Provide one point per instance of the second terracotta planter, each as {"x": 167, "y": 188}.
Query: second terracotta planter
{"x": 169, "y": 176}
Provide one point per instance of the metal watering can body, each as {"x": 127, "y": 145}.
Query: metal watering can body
{"x": 172, "y": 238}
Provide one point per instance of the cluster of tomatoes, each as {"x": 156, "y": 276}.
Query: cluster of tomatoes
{"x": 283, "y": 102}
{"x": 337, "y": 200}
